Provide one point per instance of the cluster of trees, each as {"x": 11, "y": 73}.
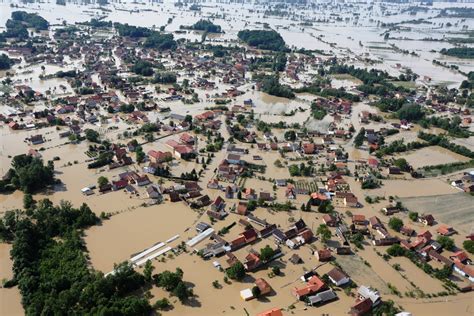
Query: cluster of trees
{"x": 131, "y": 30}
{"x": 460, "y": 52}
{"x": 263, "y": 39}
{"x": 5, "y": 62}
{"x": 31, "y": 20}
{"x": 317, "y": 111}
{"x": 191, "y": 176}
{"x": 279, "y": 62}
{"x": 398, "y": 251}
{"x": 99, "y": 23}
{"x": 469, "y": 83}
{"x": 390, "y": 104}
{"x": 204, "y": 25}
{"x": 325, "y": 207}
{"x": 104, "y": 159}
{"x": 66, "y": 74}
{"x": 360, "y": 137}
{"x": 379, "y": 90}
{"x": 275, "y": 62}
{"x": 28, "y": 174}
{"x": 403, "y": 164}
{"x": 143, "y": 67}
{"x": 154, "y": 39}
{"x": 218, "y": 51}
{"x": 17, "y": 26}
{"x": 160, "y": 41}
{"x": 316, "y": 89}
{"x": 368, "y": 77}
{"x": 173, "y": 283}
{"x": 51, "y": 269}
{"x": 165, "y": 77}
{"x": 290, "y": 135}
{"x": 300, "y": 170}
{"x": 398, "y": 146}
{"x": 370, "y": 183}
{"x": 324, "y": 233}
{"x": 92, "y": 136}
{"x": 450, "y": 167}
{"x": 451, "y": 125}
{"x": 446, "y": 242}
{"x": 272, "y": 86}
{"x": 441, "y": 140}
{"x": 410, "y": 112}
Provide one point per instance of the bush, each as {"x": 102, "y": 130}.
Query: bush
{"x": 413, "y": 216}
{"x": 164, "y": 303}
{"x": 276, "y": 270}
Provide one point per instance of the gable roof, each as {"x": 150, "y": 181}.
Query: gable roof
{"x": 337, "y": 274}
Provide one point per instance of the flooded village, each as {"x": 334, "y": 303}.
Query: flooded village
{"x": 236, "y": 158}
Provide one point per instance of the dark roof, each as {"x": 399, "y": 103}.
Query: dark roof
{"x": 300, "y": 224}
{"x": 337, "y": 274}
{"x": 279, "y": 235}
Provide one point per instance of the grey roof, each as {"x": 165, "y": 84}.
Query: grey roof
{"x": 177, "y": 116}
{"x": 279, "y": 235}
{"x": 202, "y": 226}
{"x": 322, "y": 297}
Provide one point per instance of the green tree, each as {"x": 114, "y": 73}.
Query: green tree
{"x": 236, "y": 272}
{"x": 28, "y": 201}
{"x": 181, "y": 291}
{"x": 164, "y": 303}
{"x": 410, "y": 112}
{"x": 290, "y": 135}
{"x": 148, "y": 270}
{"x": 5, "y": 62}
{"x": 29, "y": 174}
{"x": 276, "y": 270}
{"x": 395, "y": 223}
{"x": 102, "y": 181}
{"x": 402, "y": 164}
{"x": 51, "y": 268}
{"x": 396, "y": 250}
{"x": 92, "y": 136}
{"x": 168, "y": 280}
{"x": 325, "y": 207}
{"x": 359, "y": 139}
{"x": 413, "y": 216}
{"x": 469, "y": 246}
{"x": 446, "y": 242}
{"x": 324, "y": 232}
{"x": 266, "y": 253}
{"x": 256, "y": 292}
{"x": 140, "y": 155}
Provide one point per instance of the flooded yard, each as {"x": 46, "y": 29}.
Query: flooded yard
{"x": 130, "y": 232}
{"x": 433, "y": 155}
{"x": 453, "y": 209}
{"x": 10, "y": 299}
